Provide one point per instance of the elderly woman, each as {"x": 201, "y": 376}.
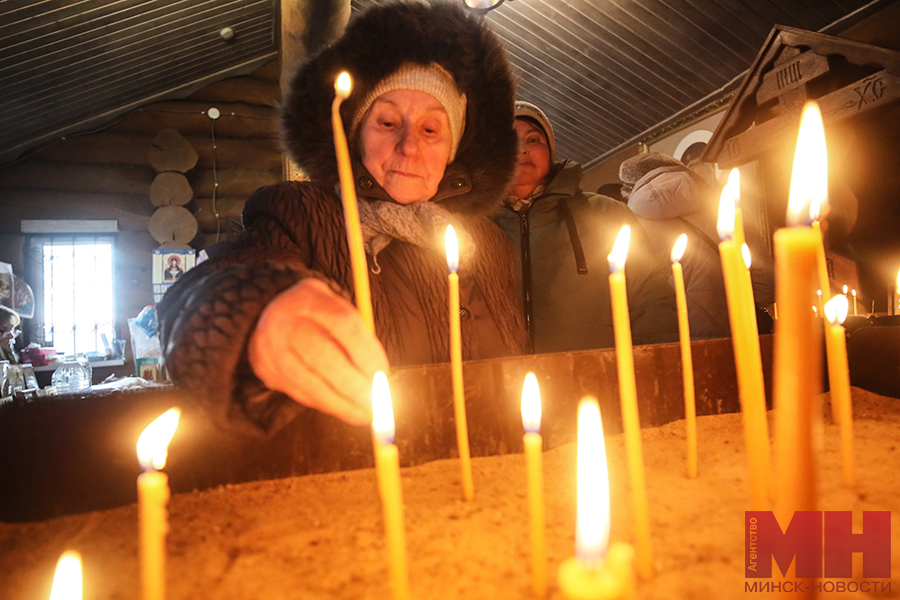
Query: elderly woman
{"x": 268, "y": 328}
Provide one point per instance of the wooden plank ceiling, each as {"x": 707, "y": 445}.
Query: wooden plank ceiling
{"x": 68, "y": 65}
{"x": 605, "y": 71}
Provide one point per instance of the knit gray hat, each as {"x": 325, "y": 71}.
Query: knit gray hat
{"x": 632, "y": 169}
{"x": 530, "y": 111}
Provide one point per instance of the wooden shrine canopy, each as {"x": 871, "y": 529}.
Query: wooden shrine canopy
{"x": 845, "y": 77}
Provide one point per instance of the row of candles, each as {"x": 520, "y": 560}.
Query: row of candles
{"x": 599, "y": 571}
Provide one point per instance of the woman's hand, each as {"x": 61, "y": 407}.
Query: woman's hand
{"x": 312, "y": 345}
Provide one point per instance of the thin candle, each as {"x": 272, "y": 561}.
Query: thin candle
{"x": 342, "y": 87}
{"x": 598, "y": 571}
{"x": 797, "y": 351}
{"x": 839, "y": 380}
{"x": 628, "y": 399}
{"x": 531, "y": 421}
{"x": 687, "y": 363}
{"x": 67, "y": 580}
{"x": 853, "y": 292}
{"x": 748, "y": 363}
{"x": 153, "y": 496}
{"x": 387, "y": 463}
{"x": 459, "y": 399}
{"x": 817, "y": 212}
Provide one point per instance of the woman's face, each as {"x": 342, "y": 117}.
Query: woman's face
{"x": 534, "y": 155}
{"x": 405, "y": 144}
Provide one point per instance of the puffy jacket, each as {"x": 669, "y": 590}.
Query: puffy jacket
{"x": 673, "y": 200}
{"x": 561, "y": 241}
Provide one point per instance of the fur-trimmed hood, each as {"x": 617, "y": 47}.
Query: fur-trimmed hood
{"x": 376, "y": 44}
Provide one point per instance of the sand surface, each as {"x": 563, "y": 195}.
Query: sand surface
{"x": 320, "y": 536}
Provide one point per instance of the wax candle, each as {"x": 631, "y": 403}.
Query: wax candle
{"x": 459, "y": 399}
{"x": 839, "y": 380}
{"x": 531, "y": 420}
{"x": 67, "y": 581}
{"x": 817, "y": 212}
{"x": 628, "y": 399}
{"x": 748, "y": 363}
{"x": 598, "y": 571}
{"x": 153, "y": 496}
{"x": 388, "y": 469}
{"x": 687, "y": 362}
{"x": 797, "y": 352}
{"x": 342, "y": 87}
{"x": 854, "y": 301}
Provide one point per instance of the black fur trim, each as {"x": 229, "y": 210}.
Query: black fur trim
{"x": 376, "y": 44}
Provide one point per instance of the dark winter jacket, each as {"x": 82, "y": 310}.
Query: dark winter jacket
{"x": 673, "y": 200}
{"x": 296, "y": 230}
{"x": 561, "y": 241}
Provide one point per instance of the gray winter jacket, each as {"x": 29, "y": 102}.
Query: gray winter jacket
{"x": 673, "y": 200}
{"x": 561, "y": 241}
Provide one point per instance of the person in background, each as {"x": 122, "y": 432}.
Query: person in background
{"x": 671, "y": 199}
{"x": 562, "y": 237}
{"x": 9, "y": 330}
{"x": 266, "y": 329}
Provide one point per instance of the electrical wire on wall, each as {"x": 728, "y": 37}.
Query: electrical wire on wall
{"x": 213, "y": 114}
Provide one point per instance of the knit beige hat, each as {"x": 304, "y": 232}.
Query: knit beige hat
{"x": 431, "y": 79}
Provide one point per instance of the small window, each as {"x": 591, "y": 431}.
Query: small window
{"x": 73, "y": 278}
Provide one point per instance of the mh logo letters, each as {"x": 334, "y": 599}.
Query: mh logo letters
{"x": 823, "y": 543}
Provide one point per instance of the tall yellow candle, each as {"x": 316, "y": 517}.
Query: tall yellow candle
{"x": 854, "y": 302}
{"x": 687, "y": 361}
{"x": 839, "y": 380}
{"x": 459, "y": 399}
{"x": 387, "y": 466}
{"x": 153, "y": 496}
{"x": 342, "y": 86}
{"x": 628, "y": 399}
{"x": 797, "y": 343}
{"x": 531, "y": 420}
{"x": 748, "y": 363}
{"x": 598, "y": 571}
{"x": 67, "y": 580}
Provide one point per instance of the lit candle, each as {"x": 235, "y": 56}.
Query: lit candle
{"x": 818, "y": 306}
{"x": 817, "y": 212}
{"x": 797, "y": 350}
{"x": 839, "y": 380}
{"x": 153, "y": 496}
{"x": 595, "y": 573}
{"x": 459, "y": 399}
{"x": 748, "y": 363}
{"x": 342, "y": 86}
{"x": 628, "y": 399}
{"x": 67, "y": 582}
{"x": 687, "y": 363}
{"x": 853, "y": 292}
{"x": 531, "y": 420}
{"x": 387, "y": 466}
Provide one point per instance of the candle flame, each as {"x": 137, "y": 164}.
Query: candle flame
{"x": 898, "y": 281}
{"x": 452, "y": 246}
{"x": 531, "y": 404}
{"x": 382, "y": 409}
{"x": 734, "y": 182}
{"x": 592, "y": 536}
{"x": 619, "y": 252}
{"x": 342, "y": 85}
{"x": 745, "y": 252}
{"x": 853, "y": 292}
{"x": 153, "y": 444}
{"x": 819, "y": 293}
{"x": 678, "y": 248}
{"x": 809, "y": 178}
{"x": 836, "y": 309}
{"x": 727, "y": 201}
{"x": 845, "y": 290}
{"x": 67, "y": 582}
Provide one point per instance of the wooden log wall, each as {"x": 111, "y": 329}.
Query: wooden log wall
{"x": 107, "y": 174}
